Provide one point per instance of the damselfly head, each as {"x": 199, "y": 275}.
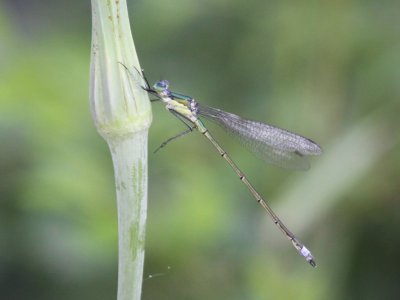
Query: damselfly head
{"x": 161, "y": 86}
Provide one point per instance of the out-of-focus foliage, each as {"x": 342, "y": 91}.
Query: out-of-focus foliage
{"x": 329, "y": 71}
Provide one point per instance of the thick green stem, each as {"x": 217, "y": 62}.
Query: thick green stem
{"x": 130, "y": 166}
{"x": 122, "y": 114}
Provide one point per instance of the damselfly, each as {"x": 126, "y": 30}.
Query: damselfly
{"x": 275, "y": 145}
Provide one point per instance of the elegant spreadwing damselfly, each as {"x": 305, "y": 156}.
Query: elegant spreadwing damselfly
{"x": 270, "y": 143}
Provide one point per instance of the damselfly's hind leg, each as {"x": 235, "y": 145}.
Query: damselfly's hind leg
{"x": 175, "y": 137}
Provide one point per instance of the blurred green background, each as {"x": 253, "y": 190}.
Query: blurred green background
{"x": 329, "y": 71}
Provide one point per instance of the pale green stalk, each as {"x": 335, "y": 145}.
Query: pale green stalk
{"x": 122, "y": 114}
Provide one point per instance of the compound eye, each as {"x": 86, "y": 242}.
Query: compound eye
{"x": 161, "y": 85}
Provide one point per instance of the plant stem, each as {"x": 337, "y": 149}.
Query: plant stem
{"x": 122, "y": 114}
{"x": 130, "y": 167}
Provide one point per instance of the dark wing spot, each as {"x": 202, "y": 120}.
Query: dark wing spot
{"x": 298, "y": 153}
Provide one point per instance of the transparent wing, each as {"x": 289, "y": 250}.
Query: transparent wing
{"x": 275, "y": 145}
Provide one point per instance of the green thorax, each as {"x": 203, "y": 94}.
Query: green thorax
{"x": 183, "y": 99}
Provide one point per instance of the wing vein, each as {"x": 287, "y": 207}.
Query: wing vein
{"x": 272, "y": 144}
